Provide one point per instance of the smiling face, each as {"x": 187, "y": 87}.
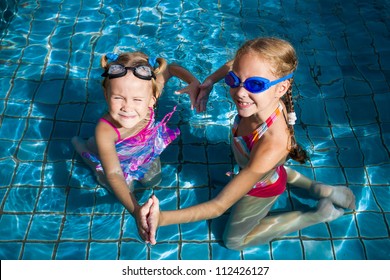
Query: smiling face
{"x": 261, "y": 104}
{"x": 129, "y": 99}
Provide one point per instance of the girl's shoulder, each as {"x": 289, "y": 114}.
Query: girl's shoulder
{"x": 107, "y": 130}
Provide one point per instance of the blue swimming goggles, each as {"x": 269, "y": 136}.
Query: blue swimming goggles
{"x": 253, "y": 84}
{"x": 142, "y": 72}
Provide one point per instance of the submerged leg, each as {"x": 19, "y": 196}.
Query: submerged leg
{"x": 250, "y": 230}
{"x": 153, "y": 176}
{"x": 340, "y": 196}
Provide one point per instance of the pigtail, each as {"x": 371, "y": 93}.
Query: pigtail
{"x": 297, "y": 153}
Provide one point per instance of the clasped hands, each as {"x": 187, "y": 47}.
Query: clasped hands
{"x": 147, "y": 217}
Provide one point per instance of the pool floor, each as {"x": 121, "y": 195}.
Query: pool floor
{"x": 51, "y": 206}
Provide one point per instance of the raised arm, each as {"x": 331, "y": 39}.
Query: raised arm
{"x": 175, "y": 70}
{"x": 207, "y": 85}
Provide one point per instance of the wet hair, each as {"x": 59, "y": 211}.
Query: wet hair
{"x": 283, "y": 60}
{"x": 134, "y": 59}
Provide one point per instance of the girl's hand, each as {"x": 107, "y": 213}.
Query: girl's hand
{"x": 204, "y": 91}
{"x": 153, "y": 219}
{"x": 193, "y": 90}
{"x": 141, "y": 216}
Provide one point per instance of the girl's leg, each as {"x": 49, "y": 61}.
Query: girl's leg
{"x": 251, "y": 227}
{"x": 153, "y": 176}
{"x": 89, "y": 146}
{"x": 244, "y": 217}
{"x": 340, "y": 196}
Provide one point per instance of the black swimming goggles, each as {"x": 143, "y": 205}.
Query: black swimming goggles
{"x": 142, "y": 72}
{"x": 253, "y": 84}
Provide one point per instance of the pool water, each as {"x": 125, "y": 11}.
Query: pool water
{"x": 51, "y": 206}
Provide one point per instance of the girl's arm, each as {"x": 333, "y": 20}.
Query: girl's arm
{"x": 193, "y": 83}
{"x": 105, "y": 141}
{"x": 207, "y": 85}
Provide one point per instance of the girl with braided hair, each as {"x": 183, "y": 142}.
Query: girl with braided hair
{"x": 260, "y": 81}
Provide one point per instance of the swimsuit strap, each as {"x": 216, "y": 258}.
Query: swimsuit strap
{"x": 258, "y": 132}
{"x": 113, "y": 126}
{"x": 251, "y": 139}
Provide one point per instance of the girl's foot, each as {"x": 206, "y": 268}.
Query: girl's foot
{"x": 340, "y": 196}
{"x": 327, "y": 211}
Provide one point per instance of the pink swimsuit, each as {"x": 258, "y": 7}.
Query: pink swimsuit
{"x": 137, "y": 153}
{"x": 275, "y": 183}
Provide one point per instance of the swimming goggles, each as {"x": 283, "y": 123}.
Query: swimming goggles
{"x": 142, "y": 72}
{"x": 253, "y": 84}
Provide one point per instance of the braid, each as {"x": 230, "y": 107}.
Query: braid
{"x": 297, "y": 153}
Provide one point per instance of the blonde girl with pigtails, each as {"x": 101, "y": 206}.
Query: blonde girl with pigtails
{"x": 128, "y": 140}
{"x": 260, "y": 79}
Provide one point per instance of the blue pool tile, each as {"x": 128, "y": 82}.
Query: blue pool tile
{"x": 193, "y": 175}
{"x": 13, "y": 227}
{"x": 347, "y": 154}
{"x": 379, "y": 175}
{"x": 103, "y": 251}
{"x": 60, "y": 150}
{"x": 378, "y": 249}
{"x": 51, "y": 200}
{"x": 32, "y": 150}
{"x": 93, "y": 111}
{"x": 23, "y": 89}
{"x": 72, "y": 251}
{"x": 194, "y": 154}
{"x": 76, "y": 227}
{"x": 17, "y": 108}
{"x": 220, "y": 153}
{"x": 38, "y": 251}
{"x": 21, "y": 199}
{"x": 349, "y": 249}
{"x": 194, "y": 251}
{"x": 260, "y": 252}
{"x": 132, "y": 250}
{"x": 195, "y": 231}
{"x": 218, "y": 226}
{"x": 372, "y": 225}
{"x": 105, "y": 227}
{"x": 73, "y": 86}
{"x": 219, "y": 252}
{"x": 45, "y": 227}
{"x": 28, "y": 173}
{"x": 107, "y": 203}
{"x": 217, "y": 134}
{"x": 337, "y": 105}
{"x": 356, "y": 175}
{"x": 316, "y": 231}
{"x": 49, "y": 92}
{"x": 7, "y": 168}
{"x": 330, "y": 175}
{"x": 38, "y": 129}
{"x": 130, "y": 230}
{"x": 70, "y": 112}
{"x": 41, "y": 110}
{"x": 64, "y": 130}
{"x": 365, "y": 199}
{"x": 80, "y": 201}
{"x": 3, "y": 192}
{"x": 55, "y": 175}
{"x": 317, "y": 250}
{"x": 164, "y": 252}
{"x": 373, "y": 150}
{"x": 81, "y": 176}
{"x": 12, "y": 128}
{"x": 287, "y": 250}
{"x": 381, "y": 195}
{"x": 10, "y": 250}
{"x": 7, "y": 148}
{"x": 344, "y": 226}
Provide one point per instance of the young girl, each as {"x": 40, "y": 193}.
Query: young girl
{"x": 263, "y": 139}
{"x": 128, "y": 141}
